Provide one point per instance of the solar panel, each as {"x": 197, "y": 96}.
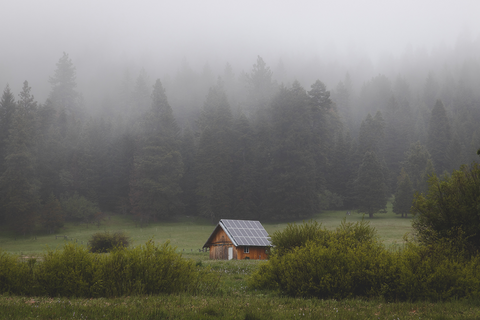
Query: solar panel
{"x": 246, "y": 232}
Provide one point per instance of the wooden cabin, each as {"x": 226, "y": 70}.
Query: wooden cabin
{"x": 238, "y": 239}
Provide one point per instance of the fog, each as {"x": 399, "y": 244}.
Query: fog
{"x": 106, "y": 38}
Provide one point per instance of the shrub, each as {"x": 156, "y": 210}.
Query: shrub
{"x": 79, "y": 209}
{"x": 102, "y": 242}
{"x": 328, "y": 264}
{"x": 351, "y": 262}
{"x": 74, "y": 271}
{"x": 294, "y": 236}
{"x": 451, "y": 209}
{"x": 15, "y": 276}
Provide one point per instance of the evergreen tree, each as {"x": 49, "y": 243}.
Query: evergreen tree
{"x": 18, "y": 186}
{"x": 398, "y": 128}
{"x": 158, "y": 165}
{"x": 343, "y": 100}
{"x": 140, "y": 95}
{"x": 50, "y": 155}
{"x": 430, "y": 90}
{"x": 292, "y": 191}
{"x": 341, "y": 173}
{"x": 64, "y": 95}
{"x": 51, "y": 214}
{"x": 370, "y": 186}
{"x": 261, "y": 88}
{"x": 323, "y": 124}
{"x": 371, "y": 135}
{"x": 244, "y": 173}
{"x": 404, "y": 195}
{"x": 188, "y": 182}
{"x": 418, "y": 166}
{"x": 7, "y": 111}
{"x": 439, "y": 137}
{"x": 214, "y": 157}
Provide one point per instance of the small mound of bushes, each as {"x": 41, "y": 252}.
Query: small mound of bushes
{"x": 76, "y": 272}
{"x": 351, "y": 262}
{"x": 102, "y": 242}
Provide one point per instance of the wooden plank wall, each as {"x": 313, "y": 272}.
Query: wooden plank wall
{"x": 255, "y": 253}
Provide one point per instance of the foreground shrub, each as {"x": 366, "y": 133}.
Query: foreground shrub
{"x": 351, "y": 262}
{"x": 74, "y": 271}
{"x": 151, "y": 269}
{"x": 102, "y": 242}
{"x": 450, "y": 209}
{"x": 16, "y": 276}
{"x": 338, "y": 264}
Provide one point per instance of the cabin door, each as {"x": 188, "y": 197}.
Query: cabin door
{"x": 230, "y": 253}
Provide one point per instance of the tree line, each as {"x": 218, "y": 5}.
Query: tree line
{"x": 251, "y": 149}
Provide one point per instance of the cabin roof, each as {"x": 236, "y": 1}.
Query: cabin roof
{"x": 242, "y": 233}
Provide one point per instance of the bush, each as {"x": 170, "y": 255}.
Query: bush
{"x": 104, "y": 241}
{"x": 451, "y": 209}
{"x": 294, "y": 236}
{"x": 74, "y": 271}
{"x": 328, "y": 264}
{"x": 15, "y": 276}
{"x": 79, "y": 209}
{"x": 351, "y": 262}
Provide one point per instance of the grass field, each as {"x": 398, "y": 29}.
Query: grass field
{"x": 234, "y": 300}
{"x": 188, "y": 234}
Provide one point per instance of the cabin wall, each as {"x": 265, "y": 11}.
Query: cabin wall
{"x": 255, "y": 253}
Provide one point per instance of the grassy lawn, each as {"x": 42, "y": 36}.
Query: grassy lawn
{"x": 188, "y": 234}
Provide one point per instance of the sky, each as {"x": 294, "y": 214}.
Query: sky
{"x": 161, "y": 33}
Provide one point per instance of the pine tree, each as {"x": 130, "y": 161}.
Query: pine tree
{"x": 341, "y": 173}
{"x": 404, "y": 195}
{"x": 64, "y": 95}
{"x": 419, "y": 166}
{"x": 323, "y": 125}
{"x": 214, "y": 157}
{"x": 370, "y": 186}
{"x": 244, "y": 173}
{"x": 188, "y": 182}
{"x": 51, "y": 215}
{"x": 292, "y": 191}
{"x": 439, "y": 138}
{"x": 158, "y": 165}
{"x": 372, "y": 134}
{"x": 7, "y": 110}
{"x": 261, "y": 88}
{"x": 18, "y": 186}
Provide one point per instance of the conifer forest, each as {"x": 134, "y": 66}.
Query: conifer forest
{"x": 264, "y": 143}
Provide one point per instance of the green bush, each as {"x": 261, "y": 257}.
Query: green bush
{"x": 328, "y": 264}
{"x": 74, "y": 271}
{"x": 102, "y": 242}
{"x": 15, "y": 276}
{"x": 450, "y": 209}
{"x": 294, "y": 236}
{"x": 350, "y": 262}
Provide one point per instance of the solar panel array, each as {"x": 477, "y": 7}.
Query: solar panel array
{"x": 247, "y": 233}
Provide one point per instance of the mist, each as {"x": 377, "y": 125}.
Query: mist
{"x": 313, "y": 39}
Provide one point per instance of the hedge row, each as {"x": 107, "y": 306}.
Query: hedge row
{"x": 74, "y": 271}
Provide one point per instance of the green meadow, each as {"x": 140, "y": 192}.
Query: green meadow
{"x": 234, "y": 300}
{"x": 187, "y": 234}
